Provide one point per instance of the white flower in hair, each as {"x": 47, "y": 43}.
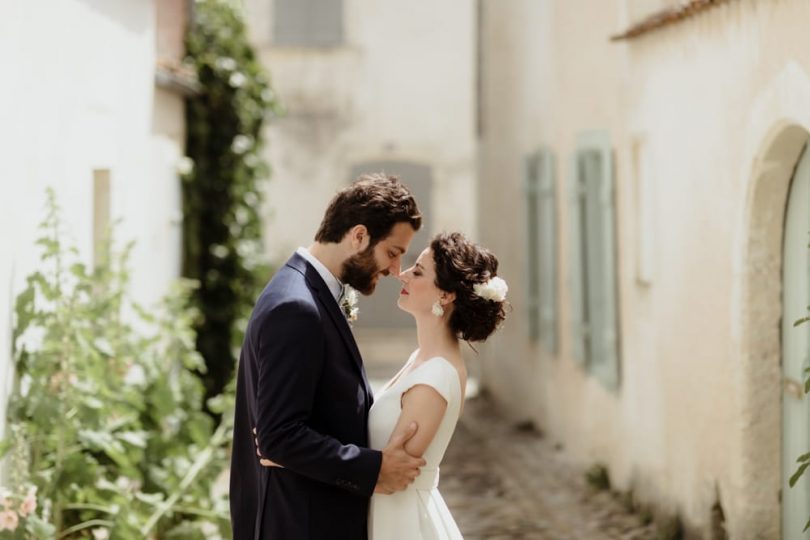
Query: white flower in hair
{"x": 495, "y": 289}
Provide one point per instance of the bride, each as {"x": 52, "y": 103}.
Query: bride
{"x": 454, "y": 294}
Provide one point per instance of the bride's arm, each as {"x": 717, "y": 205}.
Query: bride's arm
{"x": 423, "y": 405}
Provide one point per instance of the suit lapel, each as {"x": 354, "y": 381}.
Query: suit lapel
{"x": 336, "y": 314}
{"x": 342, "y": 324}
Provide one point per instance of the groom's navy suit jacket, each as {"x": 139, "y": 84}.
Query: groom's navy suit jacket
{"x": 302, "y": 385}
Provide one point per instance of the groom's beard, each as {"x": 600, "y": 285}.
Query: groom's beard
{"x": 360, "y": 270}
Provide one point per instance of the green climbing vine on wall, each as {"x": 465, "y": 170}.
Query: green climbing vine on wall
{"x": 222, "y": 189}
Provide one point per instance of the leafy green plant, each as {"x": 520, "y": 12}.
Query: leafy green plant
{"x": 670, "y": 529}
{"x": 22, "y": 516}
{"x": 106, "y": 419}
{"x": 804, "y": 459}
{"x": 597, "y": 477}
{"x": 222, "y": 193}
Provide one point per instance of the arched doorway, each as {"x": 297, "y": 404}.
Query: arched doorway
{"x": 756, "y": 494}
{"x": 796, "y": 351}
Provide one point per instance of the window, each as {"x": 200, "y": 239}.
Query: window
{"x": 308, "y": 23}
{"x": 541, "y": 249}
{"x": 593, "y": 258}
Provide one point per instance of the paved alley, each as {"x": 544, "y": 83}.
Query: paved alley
{"x": 504, "y": 482}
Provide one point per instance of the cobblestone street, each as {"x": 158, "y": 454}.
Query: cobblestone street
{"x": 503, "y": 482}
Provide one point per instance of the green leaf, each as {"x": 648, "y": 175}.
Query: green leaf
{"x": 39, "y": 528}
{"x": 49, "y": 245}
{"x": 24, "y": 310}
{"x": 135, "y": 438}
{"x": 219, "y": 404}
{"x": 92, "y": 402}
{"x": 796, "y": 475}
{"x": 105, "y": 442}
{"x": 185, "y": 530}
{"x": 79, "y": 270}
{"x": 103, "y": 345}
{"x": 153, "y": 499}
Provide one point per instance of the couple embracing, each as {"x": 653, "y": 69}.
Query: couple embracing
{"x": 312, "y": 458}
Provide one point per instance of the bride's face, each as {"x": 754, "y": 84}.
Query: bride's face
{"x": 419, "y": 290}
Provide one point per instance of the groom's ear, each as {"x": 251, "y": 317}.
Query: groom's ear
{"x": 359, "y": 237}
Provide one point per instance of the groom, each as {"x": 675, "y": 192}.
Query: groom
{"x": 302, "y": 386}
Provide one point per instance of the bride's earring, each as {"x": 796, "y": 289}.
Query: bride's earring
{"x": 437, "y": 309}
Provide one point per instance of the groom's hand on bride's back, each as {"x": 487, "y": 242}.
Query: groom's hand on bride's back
{"x": 399, "y": 469}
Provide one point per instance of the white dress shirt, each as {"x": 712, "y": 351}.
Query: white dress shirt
{"x": 334, "y": 284}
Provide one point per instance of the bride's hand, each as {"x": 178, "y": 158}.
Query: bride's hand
{"x": 264, "y": 462}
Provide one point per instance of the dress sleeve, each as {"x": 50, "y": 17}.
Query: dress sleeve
{"x": 436, "y": 373}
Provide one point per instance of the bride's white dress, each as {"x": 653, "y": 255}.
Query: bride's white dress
{"x": 419, "y": 512}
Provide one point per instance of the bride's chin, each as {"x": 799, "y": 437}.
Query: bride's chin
{"x": 402, "y": 307}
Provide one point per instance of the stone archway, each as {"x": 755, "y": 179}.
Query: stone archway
{"x": 759, "y": 338}
{"x": 777, "y": 130}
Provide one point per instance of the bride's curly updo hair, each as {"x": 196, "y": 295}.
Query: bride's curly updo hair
{"x": 460, "y": 265}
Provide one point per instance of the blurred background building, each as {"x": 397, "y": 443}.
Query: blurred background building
{"x": 654, "y": 153}
{"x": 369, "y": 86}
{"x": 94, "y": 107}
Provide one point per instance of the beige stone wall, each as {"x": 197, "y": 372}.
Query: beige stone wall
{"x": 713, "y": 112}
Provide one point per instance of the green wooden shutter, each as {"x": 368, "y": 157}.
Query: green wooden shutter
{"x": 576, "y": 245}
{"x": 606, "y": 341}
{"x": 602, "y": 339}
{"x": 547, "y": 251}
{"x": 531, "y": 190}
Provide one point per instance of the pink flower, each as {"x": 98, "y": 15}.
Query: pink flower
{"x": 8, "y": 520}
{"x": 28, "y": 505}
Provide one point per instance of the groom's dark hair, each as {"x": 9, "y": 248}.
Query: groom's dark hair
{"x": 377, "y": 200}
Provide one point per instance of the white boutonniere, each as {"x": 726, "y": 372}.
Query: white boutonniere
{"x": 349, "y": 303}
